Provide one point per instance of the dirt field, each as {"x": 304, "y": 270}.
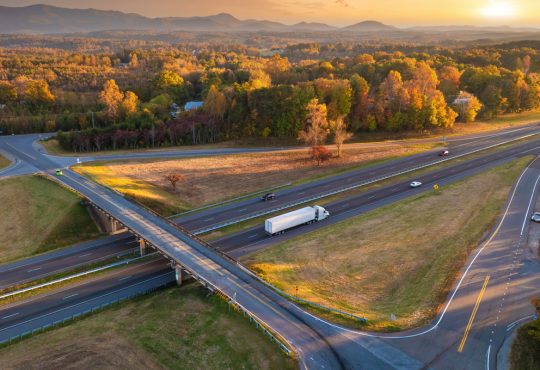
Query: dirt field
{"x": 400, "y": 259}
{"x": 37, "y": 215}
{"x": 172, "y": 329}
{"x": 4, "y": 162}
{"x": 211, "y": 179}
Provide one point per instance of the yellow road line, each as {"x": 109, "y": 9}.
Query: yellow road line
{"x": 473, "y": 314}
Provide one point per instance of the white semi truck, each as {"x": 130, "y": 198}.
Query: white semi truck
{"x": 306, "y": 215}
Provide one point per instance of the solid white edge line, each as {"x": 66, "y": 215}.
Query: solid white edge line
{"x": 525, "y": 219}
{"x": 488, "y": 353}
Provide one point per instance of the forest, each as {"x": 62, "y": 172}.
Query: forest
{"x": 105, "y": 95}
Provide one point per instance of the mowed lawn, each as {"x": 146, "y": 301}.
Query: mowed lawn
{"x": 215, "y": 178}
{"x": 4, "y": 162}
{"x": 177, "y": 328}
{"x": 37, "y": 215}
{"x": 400, "y": 259}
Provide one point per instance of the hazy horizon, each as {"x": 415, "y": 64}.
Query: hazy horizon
{"x": 518, "y": 13}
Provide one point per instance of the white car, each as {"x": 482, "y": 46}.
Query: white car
{"x": 536, "y": 217}
{"x": 416, "y": 184}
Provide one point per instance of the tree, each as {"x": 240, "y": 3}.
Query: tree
{"x": 449, "y": 77}
{"x": 316, "y": 125}
{"x": 467, "y": 107}
{"x": 174, "y": 178}
{"x": 111, "y": 96}
{"x": 215, "y": 103}
{"x": 320, "y": 154}
{"x": 339, "y": 127}
{"x": 8, "y": 92}
{"x": 130, "y": 103}
{"x": 38, "y": 93}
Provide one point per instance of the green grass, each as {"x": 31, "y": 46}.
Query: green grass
{"x": 525, "y": 353}
{"x": 400, "y": 259}
{"x": 175, "y": 328}
{"x": 37, "y": 215}
{"x": 4, "y": 162}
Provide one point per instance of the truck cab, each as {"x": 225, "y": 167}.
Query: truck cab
{"x": 320, "y": 213}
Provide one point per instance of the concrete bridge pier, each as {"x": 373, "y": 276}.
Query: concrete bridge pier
{"x": 180, "y": 275}
{"x": 143, "y": 247}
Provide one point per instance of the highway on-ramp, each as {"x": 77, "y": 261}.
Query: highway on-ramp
{"x": 466, "y": 334}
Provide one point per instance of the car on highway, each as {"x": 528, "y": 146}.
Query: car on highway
{"x": 268, "y": 196}
{"x": 444, "y": 153}
{"x": 59, "y": 172}
{"x": 415, "y": 184}
{"x": 536, "y": 217}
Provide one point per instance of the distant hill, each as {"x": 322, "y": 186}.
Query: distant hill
{"x": 45, "y": 19}
{"x": 370, "y": 26}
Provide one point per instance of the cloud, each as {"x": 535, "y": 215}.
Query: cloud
{"x": 344, "y": 3}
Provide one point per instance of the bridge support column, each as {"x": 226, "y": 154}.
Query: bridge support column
{"x": 143, "y": 248}
{"x": 179, "y": 275}
{"x": 113, "y": 225}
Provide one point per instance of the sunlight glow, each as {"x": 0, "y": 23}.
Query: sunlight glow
{"x": 499, "y": 9}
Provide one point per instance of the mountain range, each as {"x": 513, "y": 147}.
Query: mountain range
{"x": 51, "y": 19}
{"x": 46, "y": 19}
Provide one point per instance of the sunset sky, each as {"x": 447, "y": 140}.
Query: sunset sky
{"x": 337, "y": 12}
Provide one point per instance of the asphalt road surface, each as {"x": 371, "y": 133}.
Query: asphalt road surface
{"x": 417, "y": 349}
{"x": 255, "y": 238}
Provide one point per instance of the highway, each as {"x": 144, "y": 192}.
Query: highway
{"x": 437, "y": 347}
{"x": 254, "y": 238}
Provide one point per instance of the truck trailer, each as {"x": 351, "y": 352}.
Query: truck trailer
{"x": 278, "y": 225}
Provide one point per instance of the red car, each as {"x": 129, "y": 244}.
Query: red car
{"x": 444, "y": 153}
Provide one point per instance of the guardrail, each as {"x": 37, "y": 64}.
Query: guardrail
{"x": 284, "y": 344}
{"x": 84, "y": 273}
{"x": 351, "y": 187}
{"x": 69, "y": 318}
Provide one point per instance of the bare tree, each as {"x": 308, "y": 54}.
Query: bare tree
{"x": 340, "y": 133}
{"x": 174, "y": 178}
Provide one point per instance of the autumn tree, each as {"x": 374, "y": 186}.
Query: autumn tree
{"x": 215, "y": 103}
{"x": 467, "y": 107}
{"x": 315, "y": 125}
{"x": 129, "y": 104}
{"x": 8, "y": 92}
{"x": 339, "y": 128}
{"x": 320, "y": 154}
{"x": 449, "y": 77}
{"x": 360, "y": 101}
{"x": 111, "y": 97}
{"x": 174, "y": 179}
{"x": 36, "y": 92}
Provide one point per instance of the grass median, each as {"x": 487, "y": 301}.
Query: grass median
{"x": 397, "y": 260}
{"x": 37, "y": 215}
{"x": 216, "y": 178}
{"x": 4, "y": 162}
{"x": 175, "y": 328}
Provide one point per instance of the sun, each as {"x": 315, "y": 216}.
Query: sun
{"x": 499, "y": 9}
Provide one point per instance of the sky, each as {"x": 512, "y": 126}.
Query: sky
{"x": 336, "y": 12}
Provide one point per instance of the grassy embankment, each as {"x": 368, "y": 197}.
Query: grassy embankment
{"x": 525, "y": 353}
{"x": 400, "y": 259}
{"x": 4, "y": 162}
{"x": 217, "y": 178}
{"x": 172, "y": 329}
{"x": 37, "y": 215}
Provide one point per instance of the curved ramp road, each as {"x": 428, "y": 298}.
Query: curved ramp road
{"x": 466, "y": 334}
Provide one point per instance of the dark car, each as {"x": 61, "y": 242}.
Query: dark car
{"x": 268, "y": 196}
{"x": 444, "y": 153}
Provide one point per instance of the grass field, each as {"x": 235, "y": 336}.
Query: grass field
{"x": 215, "y": 178}
{"x": 525, "y": 353}
{"x": 37, "y": 215}
{"x": 177, "y": 328}
{"x": 4, "y": 162}
{"x": 400, "y": 259}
